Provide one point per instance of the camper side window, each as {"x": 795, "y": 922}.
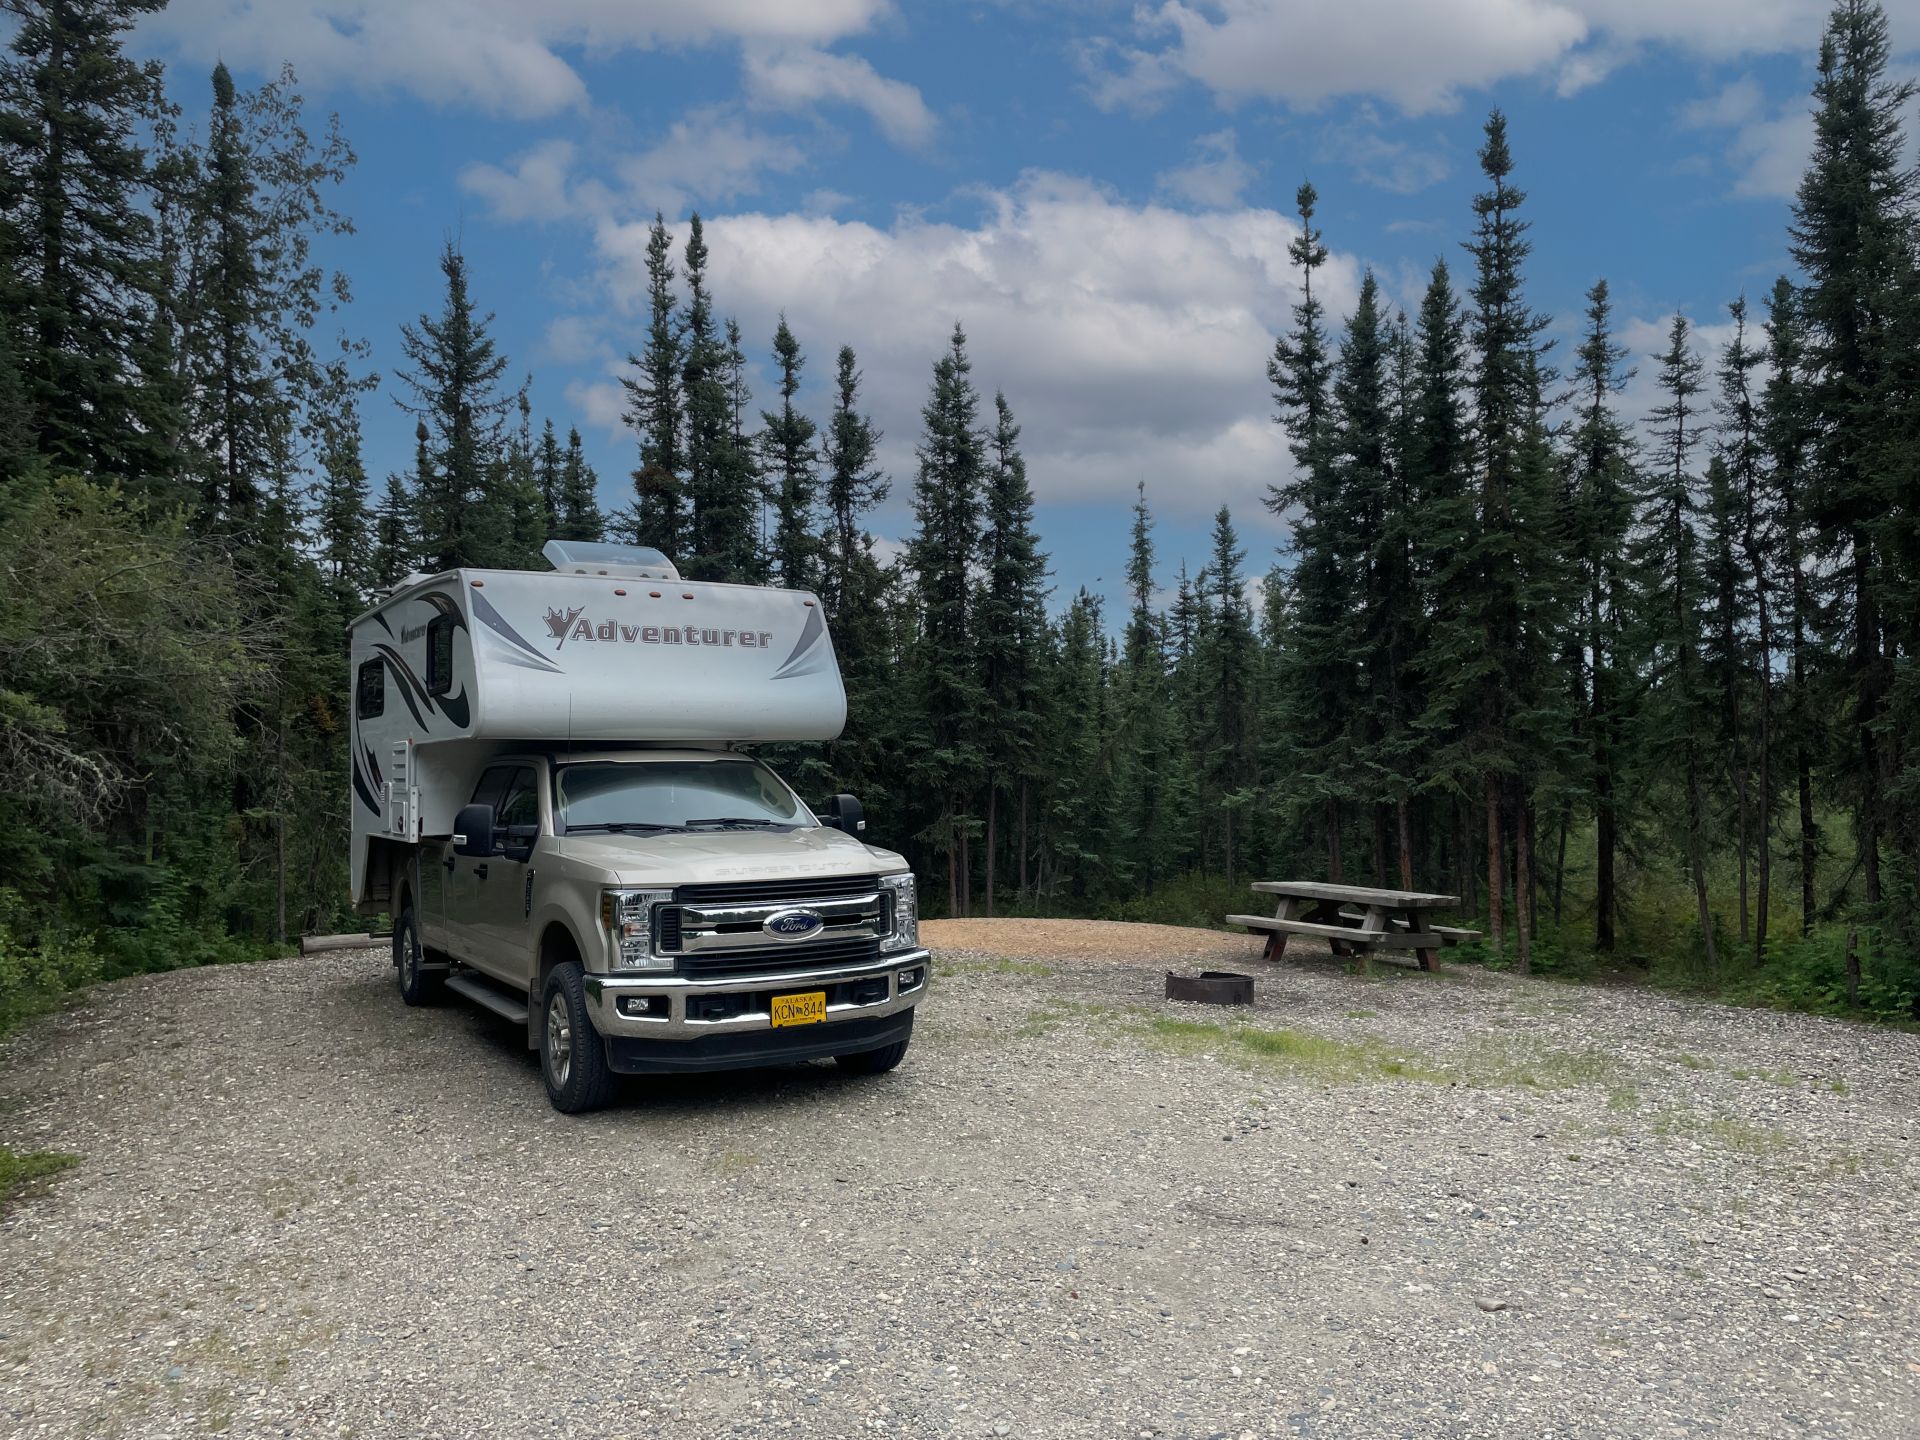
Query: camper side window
{"x": 373, "y": 690}
{"x": 440, "y": 655}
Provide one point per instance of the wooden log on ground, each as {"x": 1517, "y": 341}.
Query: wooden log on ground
{"x": 314, "y": 944}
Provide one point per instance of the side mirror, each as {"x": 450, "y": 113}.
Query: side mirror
{"x": 844, "y": 813}
{"x": 473, "y": 831}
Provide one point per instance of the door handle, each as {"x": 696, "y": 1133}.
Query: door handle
{"x": 448, "y": 862}
{"x": 481, "y": 871}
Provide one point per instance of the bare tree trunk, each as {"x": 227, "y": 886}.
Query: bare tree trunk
{"x": 1496, "y": 883}
{"x": 1335, "y": 874}
{"x": 1406, "y": 844}
{"x": 993, "y": 816}
{"x": 1023, "y": 837}
{"x": 1853, "y": 970}
{"x": 1467, "y": 876}
{"x": 966, "y": 872}
{"x": 1697, "y": 860}
{"x": 1523, "y": 917}
{"x": 1380, "y": 846}
{"x": 953, "y": 875}
{"x": 1560, "y": 858}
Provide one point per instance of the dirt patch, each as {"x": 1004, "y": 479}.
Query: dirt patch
{"x": 1111, "y": 942}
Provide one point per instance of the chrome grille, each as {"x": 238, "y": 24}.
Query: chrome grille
{"x": 813, "y": 954}
{"x": 787, "y": 891}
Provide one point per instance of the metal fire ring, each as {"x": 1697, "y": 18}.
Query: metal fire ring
{"x": 1211, "y": 987}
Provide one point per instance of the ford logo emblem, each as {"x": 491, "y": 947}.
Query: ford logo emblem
{"x": 793, "y": 925}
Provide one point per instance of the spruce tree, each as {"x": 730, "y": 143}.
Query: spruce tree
{"x": 1680, "y": 715}
{"x": 941, "y": 556}
{"x": 393, "y": 544}
{"x": 656, "y": 408}
{"x": 1600, "y": 460}
{"x": 1225, "y": 663}
{"x": 345, "y": 541}
{"x": 1320, "y": 670}
{"x": 1745, "y": 514}
{"x": 546, "y": 471}
{"x": 790, "y": 461}
{"x": 1010, "y": 623}
{"x": 77, "y": 246}
{"x": 1852, "y": 238}
{"x": 454, "y": 381}
{"x": 1493, "y": 647}
{"x": 579, "y": 497}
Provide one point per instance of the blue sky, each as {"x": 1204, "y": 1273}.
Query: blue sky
{"x": 1100, "y": 192}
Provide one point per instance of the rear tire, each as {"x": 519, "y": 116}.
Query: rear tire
{"x": 877, "y": 1062}
{"x": 573, "y": 1058}
{"x": 418, "y": 985}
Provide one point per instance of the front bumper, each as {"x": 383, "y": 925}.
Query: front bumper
{"x": 681, "y": 1008}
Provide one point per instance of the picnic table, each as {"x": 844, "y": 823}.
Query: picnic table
{"x": 1354, "y": 919}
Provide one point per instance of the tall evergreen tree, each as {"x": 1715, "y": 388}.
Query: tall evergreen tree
{"x": 454, "y": 382}
{"x": 1319, "y": 666}
{"x": 1786, "y": 431}
{"x": 1225, "y": 662}
{"x": 790, "y": 462}
{"x": 580, "y": 517}
{"x": 1853, "y": 240}
{"x": 656, "y": 407}
{"x": 1010, "y": 625}
{"x": 1681, "y": 717}
{"x": 546, "y": 472}
{"x": 1600, "y": 460}
{"x": 941, "y": 556}
{"x": 77, "y": 253}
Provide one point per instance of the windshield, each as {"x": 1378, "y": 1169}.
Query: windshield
{"x": 731, "y": 793}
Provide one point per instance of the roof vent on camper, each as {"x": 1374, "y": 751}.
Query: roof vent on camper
{"x": 592, "y": 557}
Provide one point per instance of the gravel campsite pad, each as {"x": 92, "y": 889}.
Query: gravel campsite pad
{"x": 1393, "y": 1205}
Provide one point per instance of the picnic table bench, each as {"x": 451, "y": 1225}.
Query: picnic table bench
{"x": 1354, "y": 919}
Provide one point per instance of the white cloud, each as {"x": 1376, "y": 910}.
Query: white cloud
{"x": 495, "y": 55}
{"x": 712, "y": 155}
{"x": 1358, "y": 146}
{"x": 1769, "y": 145}
{"x": 1419, "y": 54}
{"x": 1215, "y": 177}
{"x": 795, "y": 78}
{"x": 1132, "y": 340}
{"x": 709, "y": 156}
{"x": 534, "y": 189}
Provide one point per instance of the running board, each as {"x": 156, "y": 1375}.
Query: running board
{"x": 504, "y": 1003}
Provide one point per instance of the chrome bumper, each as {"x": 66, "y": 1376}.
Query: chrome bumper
{"x": 606, "y": 992}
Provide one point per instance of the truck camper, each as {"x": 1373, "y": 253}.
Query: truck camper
{"x": 552, "y": 800}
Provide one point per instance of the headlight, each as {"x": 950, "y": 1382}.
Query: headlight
{"x": 628, "y": 916}
{"x": 904, "y": 907}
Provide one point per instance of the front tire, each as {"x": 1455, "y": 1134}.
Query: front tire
{"x": 573, "y": 1060}
{"x": 877, "y": 1062}
{"x": 418, "y": 985}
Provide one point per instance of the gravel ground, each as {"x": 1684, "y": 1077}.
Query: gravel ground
{"x": 1393, "y": 1205}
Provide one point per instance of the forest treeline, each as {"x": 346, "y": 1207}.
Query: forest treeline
{"x": 1631, "y": 688}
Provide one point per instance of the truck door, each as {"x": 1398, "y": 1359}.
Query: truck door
{"x": 461, "y": 878}
{"x": 499, "y": 938}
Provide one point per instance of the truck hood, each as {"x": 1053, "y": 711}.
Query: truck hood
{"x": 713, "y": 856}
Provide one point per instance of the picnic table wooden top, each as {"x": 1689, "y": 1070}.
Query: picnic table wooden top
{"x": 1361, "y": 894}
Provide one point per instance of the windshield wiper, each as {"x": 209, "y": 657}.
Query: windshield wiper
{"x": 731, "y": 821}
{"x": 619, "y": 827}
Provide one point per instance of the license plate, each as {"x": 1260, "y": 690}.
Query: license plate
{"x": 807, "y": 1009}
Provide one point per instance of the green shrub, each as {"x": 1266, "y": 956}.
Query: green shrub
{"x": 38, "y": 967}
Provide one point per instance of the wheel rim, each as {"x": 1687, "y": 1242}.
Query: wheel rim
{"x": 409, "y": 958}
{"x": 559, "y": 1040}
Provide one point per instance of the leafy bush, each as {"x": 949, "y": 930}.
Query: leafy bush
{"x": 37, "y": 970}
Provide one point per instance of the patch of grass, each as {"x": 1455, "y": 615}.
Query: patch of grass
{"x": 1362, "y": 1014}
{"x": 1838, "y": 1086}
{"x": 1623, "y": 1097}
{"x": 1497, "y": 1066}
{"x": 1763, "y": 1142}
{"x": 1032, "y": 968}
{"x": 18, "y": 1171}
{"x": 729, "y": 1163}
{"x": 1692, "y": 1062}
{"x": 1290, "y": 1052}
